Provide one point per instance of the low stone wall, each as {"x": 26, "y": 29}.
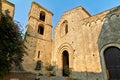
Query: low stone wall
{"x": 20, "y": 76}
{"x": 56, "y": 78}
{"x": 87, "y": 76}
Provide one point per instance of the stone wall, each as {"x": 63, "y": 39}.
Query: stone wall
{"x": 36, "y": 42}
{"x": 110, "y": 29}
{"x": 109, "y": 35}
{"x": 8, "y": 6}
{"x": 68, "y": 41}
{"x": 81, "y": 44}
{"x": 84, "y": 40}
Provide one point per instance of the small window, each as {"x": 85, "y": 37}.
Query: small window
{"x": 38, "y": 54}
{"x": 42, "y": 16}
{"x": 66, "y": 29}
{"x": 41, "y": 30}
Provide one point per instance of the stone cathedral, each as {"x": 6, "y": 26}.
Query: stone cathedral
{"x": 90, "y": 45}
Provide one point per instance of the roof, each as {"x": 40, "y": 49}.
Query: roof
{"x": 80, "y": 8}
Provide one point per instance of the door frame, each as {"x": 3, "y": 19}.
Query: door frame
{"x": 103, "y": 64}
{"x": 63, "y": 47}
{"x": 68, "y": 61}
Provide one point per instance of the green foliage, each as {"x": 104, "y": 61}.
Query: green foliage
{"x": 52, "y": 74}
{"x": 40, "y": 74}
{"x": 97, "y": 79}
{"x": 11, "y": 44}
{"x": 49, "y": 68}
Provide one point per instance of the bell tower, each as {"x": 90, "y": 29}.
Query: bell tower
{"x": 38, "y": 39}
{"x": 10, "y": 7}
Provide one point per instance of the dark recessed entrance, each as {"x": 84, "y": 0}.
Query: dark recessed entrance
{"x": 112, "y": 60}
{"x": 65, "y": 60}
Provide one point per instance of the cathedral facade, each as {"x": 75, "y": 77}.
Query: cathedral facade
{"x": 89, "y": 45}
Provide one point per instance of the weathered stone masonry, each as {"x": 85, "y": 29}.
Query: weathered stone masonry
{"x": 79, "y": 41}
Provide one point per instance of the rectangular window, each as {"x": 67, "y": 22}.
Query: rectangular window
{"x": 41, "y": 30}
{"x": 66, "y": 29}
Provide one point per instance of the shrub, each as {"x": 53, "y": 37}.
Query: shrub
{"x": 40, "y": 74}
{"x": 49, "y": 68}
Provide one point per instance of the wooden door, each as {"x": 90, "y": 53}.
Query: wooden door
{"x": 65, "y": 62}
{"x": 112, "y": 60}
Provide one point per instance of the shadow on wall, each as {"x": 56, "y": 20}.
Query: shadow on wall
{"x": 109, "y": 38}
{"x": 86, "y": 75}
{"x": 30, "y": 76}
{"x": 110, "y": 32}
{"x": 20, "y": 76}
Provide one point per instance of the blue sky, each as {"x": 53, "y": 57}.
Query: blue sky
{"x": 58, "y": 7}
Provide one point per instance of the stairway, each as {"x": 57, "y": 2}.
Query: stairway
{"x": 51, "y": 78}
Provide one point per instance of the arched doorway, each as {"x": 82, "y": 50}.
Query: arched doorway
{"x": 65, "y": 61}
{"x": 112, "y": 60}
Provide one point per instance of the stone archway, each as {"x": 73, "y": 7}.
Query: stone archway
{"x": 65, "y": 61}
{"x": 112, "y": 61}
{"x": 105, "y": 70}
{"x": 64, "y": 48}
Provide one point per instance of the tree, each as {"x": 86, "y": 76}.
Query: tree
{"x": 11, "y": 44}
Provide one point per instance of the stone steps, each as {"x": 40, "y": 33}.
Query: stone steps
{"x": 53, "y": 78}
{"x": 31, "y": 76}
